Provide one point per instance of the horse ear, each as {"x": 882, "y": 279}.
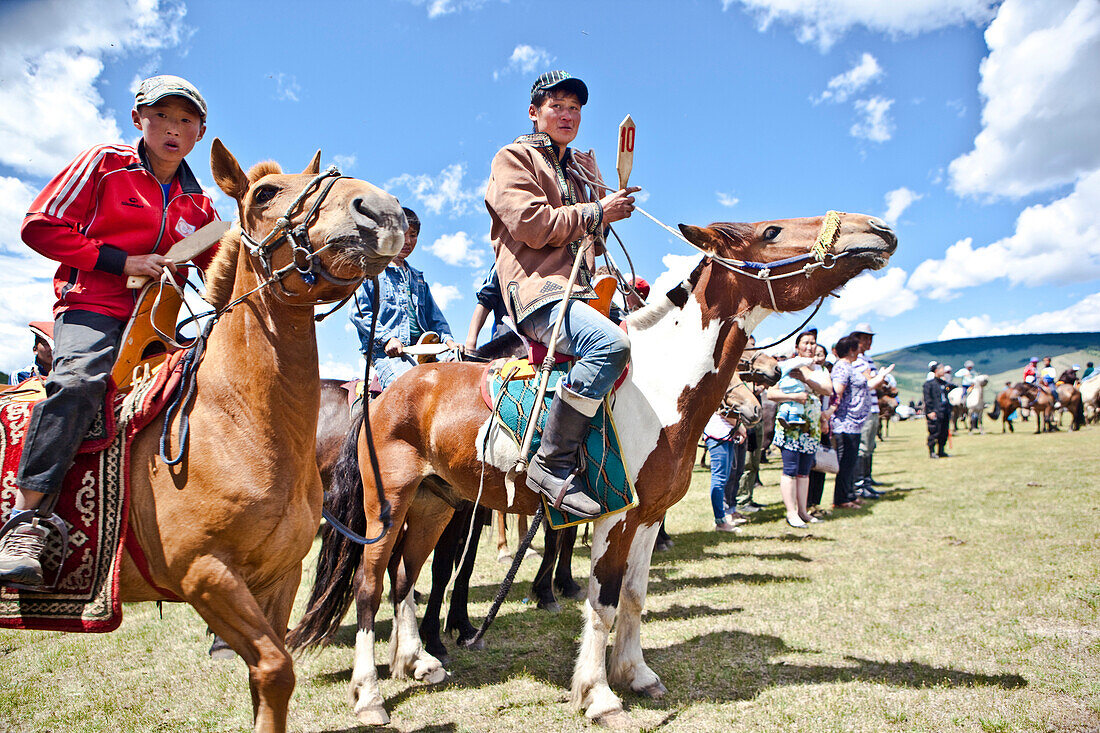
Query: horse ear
{"x": 227, "y": 171}
{"x": 699, "y": 236}
{"x": 314, "y": 166}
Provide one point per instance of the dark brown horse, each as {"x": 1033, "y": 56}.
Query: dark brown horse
{"x": 226, "y": 529}
{"x": 1070, "y": 398}
{"x": 434, "y": 436}
{"x": 1040, "y": 402}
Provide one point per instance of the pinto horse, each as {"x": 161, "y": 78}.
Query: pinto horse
{"x": 226, "y": 529}
{"x": 435, "y": 436}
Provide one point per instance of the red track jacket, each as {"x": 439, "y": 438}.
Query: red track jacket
{"x": 105, "y": 206}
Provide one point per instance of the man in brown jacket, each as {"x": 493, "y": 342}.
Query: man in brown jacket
{"x": 544, "y": 201}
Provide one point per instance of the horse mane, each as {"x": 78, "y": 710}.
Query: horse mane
{"x": 223, "y": 270}
{"x": 650, "y": 314}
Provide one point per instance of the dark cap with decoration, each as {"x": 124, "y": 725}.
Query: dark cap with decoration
{"x": 563, "y": 80}
{"x": 155, "y": 88}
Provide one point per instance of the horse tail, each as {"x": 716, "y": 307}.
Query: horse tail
{"x": 333, "y": 586}
{"x": 996, "y": 410}
{"x": 1079, "y": 414}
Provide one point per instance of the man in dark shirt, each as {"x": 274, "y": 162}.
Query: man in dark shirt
{"x": 937, "y": 410}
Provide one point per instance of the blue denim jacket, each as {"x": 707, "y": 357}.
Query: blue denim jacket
{"x": 395, "y": 284}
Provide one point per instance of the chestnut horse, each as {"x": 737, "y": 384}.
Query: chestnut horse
{"x": 1007, "y": 402}
{"x": 1070, "y": 398}
{"x": 226, "y": 529}
{"x": 1040, "y": 402}
{"x": 434, "y": 435}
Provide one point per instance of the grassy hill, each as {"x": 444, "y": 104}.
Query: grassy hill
{"x": 1003, "y": 358}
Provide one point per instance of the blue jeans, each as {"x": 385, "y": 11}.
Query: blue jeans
{"x": 601, "y": 348}
{"x": 389, "y": 368}
{"x": 726, "y": 465}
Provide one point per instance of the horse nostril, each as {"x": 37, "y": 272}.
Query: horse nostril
{"x": 883, "y": 229}
{"x": 363, "y": 214}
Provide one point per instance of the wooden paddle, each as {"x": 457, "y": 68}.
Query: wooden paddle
{"x": 187, "y": 248}
{"x": 625, "y": 163}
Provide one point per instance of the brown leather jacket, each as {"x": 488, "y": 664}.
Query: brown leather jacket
{"x": 541, "y": 211}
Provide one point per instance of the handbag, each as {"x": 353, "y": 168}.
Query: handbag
{"x": 825, "y": 459}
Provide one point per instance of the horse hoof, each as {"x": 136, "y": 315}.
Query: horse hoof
{"x": 575, "y": 594}
{"x": 434, "y": 676}
{"x": 656, "y": 691}
{"x": 504, "y": 557}
{"x": 552, "y": 606}
{"x": 373, "y": 715}
{"x": 616, "y": 720}
{"x": 220, "y": 650}
{"x": 471, "y": 644}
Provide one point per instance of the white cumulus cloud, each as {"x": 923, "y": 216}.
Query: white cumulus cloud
{"x": 824, "y": 22}
{"x": 884, "y": 296}
{"x": 1040, "y": 86}
{"x": 458, "y": 249}
{"x": 445, "y": 294}
{"x": 443, "y": 192}
{"x": 525, "y": 59}
{"x": 897, "y": 201}
{"x": 287, "y": 87}
{"x": 344, "y": 162}
{"x": 844, "y": 85}
{"x": 677, "y": 267}
{"x": 1082, "y": 316}
{"x": 727, "y": 199}
{"x": 875, "y": 123}
{"x": 1053, "y": 243}
{"x": 52, "y": 57}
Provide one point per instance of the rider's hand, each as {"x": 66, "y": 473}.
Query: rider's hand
{"x": 619, "y": 205}
{"x": 394, "y": 347}
{"x": 147, "y": 265}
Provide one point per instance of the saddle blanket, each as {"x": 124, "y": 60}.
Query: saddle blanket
{"x": 94, "y": 503}
{"x": 604, "y": 475}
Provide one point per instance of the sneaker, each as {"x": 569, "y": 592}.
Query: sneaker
{"x": 20, "y": 551}
{"x": 749, "y": 508}
{"x": 726, "y": 527}
{"x": 736, "y": 518}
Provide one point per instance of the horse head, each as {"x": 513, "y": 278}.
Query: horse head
{"x": 787, "y": 264}
{"x": 318, "y": 234}
{"x": 741, "y": 404}
{"x": 760, "y": 368}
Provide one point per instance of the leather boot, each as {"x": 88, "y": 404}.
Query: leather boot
{"x": 20, "y": 554}
{"x": 554, "y": 468}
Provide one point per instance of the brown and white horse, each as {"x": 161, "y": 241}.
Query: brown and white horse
{"x": 226, "y": 529}
{"x": 435, "y": 435}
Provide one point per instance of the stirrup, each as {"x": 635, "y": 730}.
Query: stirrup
{"x": 60, "y": 527}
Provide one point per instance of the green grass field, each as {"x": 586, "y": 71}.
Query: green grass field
{"x": 967, "y": 600}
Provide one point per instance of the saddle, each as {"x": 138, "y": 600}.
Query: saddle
{"x": 509, "y": 391}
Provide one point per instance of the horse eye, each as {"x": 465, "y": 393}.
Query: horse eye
{"x": 771, "y": 233}
{"x": 265, "y": 194}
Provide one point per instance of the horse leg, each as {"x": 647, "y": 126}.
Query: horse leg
{"x": 628, "y": 668}
{"x": 502, "y": 537}
{"x": 542, "y": 587}
{"x": 224, "y": 601}
{"x": 443, "y": 562}
{"x": 590, "y": 691}
{"x": 563, "y": 577}
{"x": 425, "y": 522}
{"x": 458, "y": 616}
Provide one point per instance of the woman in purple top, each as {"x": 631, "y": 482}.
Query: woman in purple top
{"x": 853, "y": 392}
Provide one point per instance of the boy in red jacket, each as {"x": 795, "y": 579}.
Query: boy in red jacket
{"x": 113, "y": 212}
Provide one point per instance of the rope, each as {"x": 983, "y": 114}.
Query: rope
{"x": 506, "y": 584}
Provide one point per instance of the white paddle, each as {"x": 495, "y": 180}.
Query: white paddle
{"x": 625, "y": 162}
{"x": 187, "y": 248}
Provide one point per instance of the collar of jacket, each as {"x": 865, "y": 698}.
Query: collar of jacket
{"x": 188, "y": 182}
{"x": 541, "y": 140}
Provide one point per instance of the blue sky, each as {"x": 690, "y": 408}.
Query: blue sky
{"x": 970, "y": 124}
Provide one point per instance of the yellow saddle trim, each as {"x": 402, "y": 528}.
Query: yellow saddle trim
{"x": 517, "y": 369}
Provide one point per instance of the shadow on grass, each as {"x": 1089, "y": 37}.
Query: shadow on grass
{"x": 714, "y": 667}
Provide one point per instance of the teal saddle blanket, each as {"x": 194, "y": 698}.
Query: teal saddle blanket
{"x": 604, "y": 475}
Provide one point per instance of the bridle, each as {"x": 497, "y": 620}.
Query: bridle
{"x": 298, "y": 235}
{"x": 749, "y": 369}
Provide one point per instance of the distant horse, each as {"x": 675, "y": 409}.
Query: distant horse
{"x": 887, "y": 398}
{"x": 1040, "y": 402}
{"x": 432, "y": 430}
{"x": 226, "y": 529}
{"x": 970, "y": 407}
{"x": 1090, "y": 397}
{"x": 1069, "y": 397}
{"x": 1007, "y": 402}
